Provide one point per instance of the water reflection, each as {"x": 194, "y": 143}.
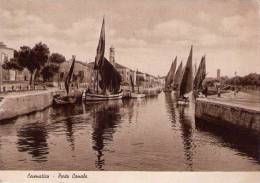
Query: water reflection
{"x": 106, "y": 116}
{"x": 66, "y": 116}
{"x": 95, "y": 136}
{"x": 185, "y": 125}
{"x": 170, "y": 106}
{"x": 129, "y": 106}
{"x": 32, "y": 139}
{"x": 246, "y": 144}
{"x": 186, "y": 134}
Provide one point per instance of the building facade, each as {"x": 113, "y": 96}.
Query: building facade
{"x": 6, "y": 54}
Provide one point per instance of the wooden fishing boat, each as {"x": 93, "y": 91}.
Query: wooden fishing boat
{"x": 68, "y": 98}
{"x": 63, "y": 100}
{"x": 170, "y": 77}
{"x": 133, "y": 93}
{"x": 107, "y": 78}
{"x": 186, "y": 82}
{"x": 101, "y": 97}
{"x": 199, "y": 78}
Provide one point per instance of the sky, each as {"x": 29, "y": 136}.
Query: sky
{"x": 146, "y": 34}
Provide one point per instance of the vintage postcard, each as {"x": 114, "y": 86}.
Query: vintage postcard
{"x": 129, "y": 90}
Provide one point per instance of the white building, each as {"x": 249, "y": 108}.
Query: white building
{"x": 5, "y": 55}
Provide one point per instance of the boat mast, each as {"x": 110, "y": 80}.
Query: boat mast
{"x": 97, "y": 80}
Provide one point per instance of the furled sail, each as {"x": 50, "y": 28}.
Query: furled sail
{"x": 69, "y": 76}
{"x": 200, "y": 75}
{"x": 110, "y": 78}
{"x": 186, "y": 82}
{"x": 170, "y": 76}
{"x": 178, "y": 76}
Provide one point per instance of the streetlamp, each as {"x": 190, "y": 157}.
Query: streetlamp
{"x": 1, "y": 69}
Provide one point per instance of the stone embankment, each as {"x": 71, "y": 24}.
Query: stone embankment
{"x": 13, "y": 105}
{"x": 228, "y": 114}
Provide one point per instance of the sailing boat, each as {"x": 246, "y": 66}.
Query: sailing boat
{"x": 170, "y": 76}
{"x": 199, "y": 77}
{"x": 67, "y": 99}
{"x": 186, "y": 82}
{"x": 108, "y": 79}
{"x": 177, "y": 78}
{"x": 135, "y": 94}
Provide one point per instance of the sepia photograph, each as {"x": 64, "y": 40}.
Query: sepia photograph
{"x": 129, "y": 86}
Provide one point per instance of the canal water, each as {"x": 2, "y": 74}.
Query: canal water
{"x": 146, "y": 134}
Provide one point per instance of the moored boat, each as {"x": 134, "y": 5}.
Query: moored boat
{"x": 62, "y": 100}
{"x": 199, "y": 78}
{"x": 133, "y": 93}
{"x": 107, "y": 79}
{"x": 186, "y": 82}
{"x": 170, "y": 77}
{"x": 68, "y": 98}
{"x": 87, "y": 95}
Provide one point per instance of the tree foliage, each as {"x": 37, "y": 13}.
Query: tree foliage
{"x": 56, "y": 58}
{"x": 32, "y": 59}
{"x": 12, "y": 64}
{"x": 37, "y": 60}
{"x": 49, "y": 71}
{"x": 250, "y": 79}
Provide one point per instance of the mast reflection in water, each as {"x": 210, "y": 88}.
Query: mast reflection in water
{"x": 106, "y": 116}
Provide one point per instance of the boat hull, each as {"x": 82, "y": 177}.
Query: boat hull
{"x": 86, "y": 96}
{"x": 64, "y": 101}
{"x": 137, "y": 95}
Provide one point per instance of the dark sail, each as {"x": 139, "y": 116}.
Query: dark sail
{"x": 170, "y": 76}
{"x": 186, "y": 82}
{"x": 200, "y": 75}
{"x": 68, "y": 78}
{"x": 101, "y": 48}
{"x": 110, "y": 78}
{"x": 178, "y": 75}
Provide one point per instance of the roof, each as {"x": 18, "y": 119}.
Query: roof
{"x": 2, "y": 45}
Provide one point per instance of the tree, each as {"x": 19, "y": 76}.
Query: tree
{"x": 32, "y": 59}
{"x": 49, "y": 71}
{"x": 53, "y": 66}
{"x": 56, "y": 58}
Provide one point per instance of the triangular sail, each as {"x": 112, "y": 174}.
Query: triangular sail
{"x": 178, "y": 76}
{"x": 170, "y": 76}
{"x": 101, "y": 48}
{"x": 200, "y": 75}
{"x": 186, "y": 82}
{"x": 69, "y": 76}
{"x": 110, "y": 77}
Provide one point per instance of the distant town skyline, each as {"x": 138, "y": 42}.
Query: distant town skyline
{"x": 147, "y": 34}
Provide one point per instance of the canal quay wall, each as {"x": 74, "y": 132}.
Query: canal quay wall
{"x": 228, "y": 115}
{"x": 15, "y": 105}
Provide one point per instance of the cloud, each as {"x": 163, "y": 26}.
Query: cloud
{"x": 153, "y": 37}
